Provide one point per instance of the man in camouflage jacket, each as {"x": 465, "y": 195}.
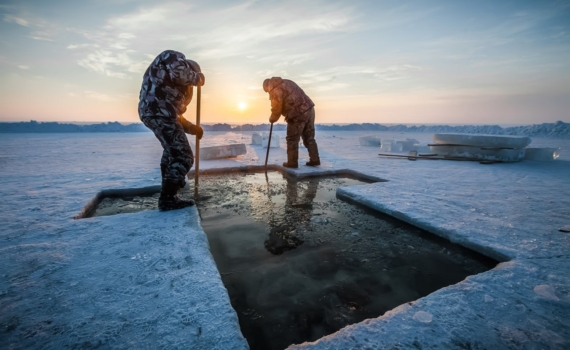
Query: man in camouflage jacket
{"x": 166, "y": 91}
{"x": 289, "y": 100}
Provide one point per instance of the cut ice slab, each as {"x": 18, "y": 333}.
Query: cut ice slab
{"x": 274, "y": 141}
{"x": 403, "y": 146}
{"x": 421, "y": 149}
{"x": 224, "y": 151}
{"x": 503, "y": 155}
{"x": 407, "y": 145}
{"x": 369, "y": 141}
{"x": 390, "y": 146}
{"x": 256, "y": 139}
{"x": 490, "y": 141}
{"x": 542, "y": 154}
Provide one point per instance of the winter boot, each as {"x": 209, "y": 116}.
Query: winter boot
{"x": 314, "y": 159}
{"x": 292, "y": 156}
{"x": 168, "y": 199}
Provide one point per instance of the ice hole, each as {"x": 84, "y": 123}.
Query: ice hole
{"x": 299, "y": 263}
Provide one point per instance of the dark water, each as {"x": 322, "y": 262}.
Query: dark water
{"x": 300, "y": 264}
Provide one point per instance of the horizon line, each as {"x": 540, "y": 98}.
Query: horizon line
{"x": 263, "y": 123}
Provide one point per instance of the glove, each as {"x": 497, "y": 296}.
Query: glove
{"x": 196, "y": 130}
{"x": 202, "y": 80}
{"x": 273, "y": 119}
{"x": 190, "y": 128}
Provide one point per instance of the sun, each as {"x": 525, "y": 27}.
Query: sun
{"x": 242, "y": 106}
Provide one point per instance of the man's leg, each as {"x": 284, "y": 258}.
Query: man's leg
{"x": 308, "y": 136}
{"x": 177, "y": 159}
{"x": 164, "y": 161}
{"x": 294, "y": 130}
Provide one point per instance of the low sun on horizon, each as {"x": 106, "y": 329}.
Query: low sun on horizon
{"x": 242, "y": 106}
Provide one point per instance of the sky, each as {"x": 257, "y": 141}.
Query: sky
{"x": 389, "y": 62}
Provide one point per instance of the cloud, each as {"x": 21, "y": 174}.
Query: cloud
{"x": 18, "y": 20}
{"x": 41, "y": 29}
{"x": 125, "y": 43}
{"x": 23, "y": 67}
{"x": 126, "y": 36}
{"x": 395, "y": 72}
{"x": 80, "y": 46}
{"x": 41, "y": 38}
{"x": 112, "y": 64}
{"x": 259, "y": 33}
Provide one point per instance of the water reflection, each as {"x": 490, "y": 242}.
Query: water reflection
{"x": 284, "y": 231}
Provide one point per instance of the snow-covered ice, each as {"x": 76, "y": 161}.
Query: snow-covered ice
{"x": 148, "y": 279}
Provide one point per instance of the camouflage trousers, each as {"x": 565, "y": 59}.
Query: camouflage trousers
{"x": 177, "y": 157}
{"x": 303, "y": 129}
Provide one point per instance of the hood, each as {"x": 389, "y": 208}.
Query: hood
{"x": 270, "y": 84}
{"x": 194, "y": 65}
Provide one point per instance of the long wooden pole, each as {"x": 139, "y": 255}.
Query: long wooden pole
{"x": 268, "y": 146}
{"x": 197, "y": 156}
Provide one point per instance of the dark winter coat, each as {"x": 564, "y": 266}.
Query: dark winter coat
{"x": 288, "y": 99}
{"x": 167, "y": 86}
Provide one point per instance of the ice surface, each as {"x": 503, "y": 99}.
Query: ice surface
{"x": 148, "y": 280}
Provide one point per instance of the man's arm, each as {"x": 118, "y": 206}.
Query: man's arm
{"x": 276, "y": 105}
{"x": 190, "y": 128}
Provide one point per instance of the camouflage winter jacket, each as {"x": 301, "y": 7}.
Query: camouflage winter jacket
{"x": 288, "y": 99}
{"x": 167, "y": 86}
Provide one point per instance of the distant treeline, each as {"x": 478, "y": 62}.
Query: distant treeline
{"x": 558, "y": 129}
{"x": 55, "y": 127}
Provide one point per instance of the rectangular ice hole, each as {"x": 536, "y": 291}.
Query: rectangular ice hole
{"x": 298, "y": 262}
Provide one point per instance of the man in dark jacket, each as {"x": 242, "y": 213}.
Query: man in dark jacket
{"x": 166, "y": 91}
{"x": 289, "y": 100}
